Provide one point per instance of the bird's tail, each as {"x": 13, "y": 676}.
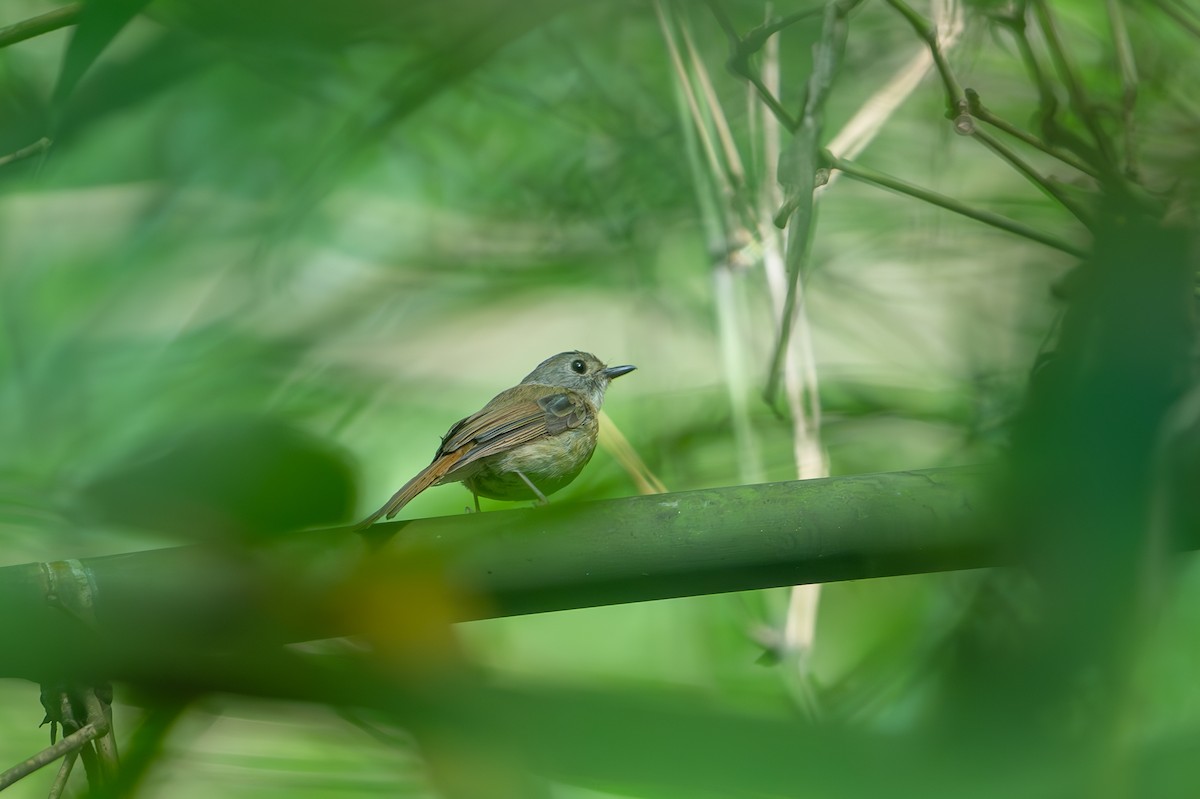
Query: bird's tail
{"x": 424, "y": 479}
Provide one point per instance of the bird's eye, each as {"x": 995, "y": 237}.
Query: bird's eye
{"x": 578, "y": 366}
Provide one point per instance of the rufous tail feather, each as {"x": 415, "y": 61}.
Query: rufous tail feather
{"x": 424, "y": 479}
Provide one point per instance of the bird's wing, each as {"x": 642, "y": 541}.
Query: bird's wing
{"x": 504, "y": 423}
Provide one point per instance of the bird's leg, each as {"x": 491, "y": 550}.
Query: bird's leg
{"x": 541, "y": 498}
{"x": 475, "y": 497}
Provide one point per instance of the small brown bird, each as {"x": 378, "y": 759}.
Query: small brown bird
{"x": 528, "y": 442}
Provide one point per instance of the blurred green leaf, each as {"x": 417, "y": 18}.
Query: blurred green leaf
{"x": 99, "y": 23}
{"x": 238, "y": 480}
{"x": 272, "y": 238}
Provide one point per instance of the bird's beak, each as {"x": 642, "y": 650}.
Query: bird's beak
{"x": 617, "y": 371}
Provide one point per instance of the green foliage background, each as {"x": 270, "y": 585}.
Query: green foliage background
{"x": 362, "y": 219}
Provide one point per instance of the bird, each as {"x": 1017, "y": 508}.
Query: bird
{"x": 527, "y": 442}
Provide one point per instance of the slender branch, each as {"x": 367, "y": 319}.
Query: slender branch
{"x": 99, "y": 715}
{"x": 756, "y": 37}
{"x": 868, "y": 175}
{"x": 984, "y": 114}
{"x": 858, "y": 132}
{"x": 1183, "y": 8}
{"x": 797, "y": 174}
{"x": 1034, "y": 177}
{"x": 1047, "y": 113}
{"x": 956, "y": 101}
{"x": 717, "y": 168}
{"x": 43, "y": 23}
{"x": 960, "y": 106}
{"x": 92, "y": 768}
{"x": 1080, "y": 103}
{"x": 1191, "y": 26}
{"x": 59, "y": 786}
{"x": 740, "y": 51}
{"x": 28, "y": 151}
{"x": 69, "y": 743}
{"x": 1129, "y": 84}
{"x": 725, "y": 170}
{"x": 716, "y": 114}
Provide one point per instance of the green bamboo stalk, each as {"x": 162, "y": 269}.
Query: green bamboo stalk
{"x": 512, "y": 562}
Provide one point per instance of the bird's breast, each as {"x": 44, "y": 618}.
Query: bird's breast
{"x": 551, "y": 463}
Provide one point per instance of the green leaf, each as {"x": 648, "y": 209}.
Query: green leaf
{"x": 99, "y": 24}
